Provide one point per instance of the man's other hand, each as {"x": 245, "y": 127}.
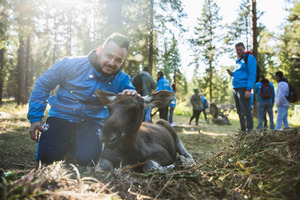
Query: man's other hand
{"x": 247, "y": 94}
{"x": 229, "y": 72}
{"x": 129, "y": 92}
{"x": 35, "y": 130}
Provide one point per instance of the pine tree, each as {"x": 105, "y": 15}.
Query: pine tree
{"x": 207, "y": 38}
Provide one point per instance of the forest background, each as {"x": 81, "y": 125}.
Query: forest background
{"x": 35, "y": 34}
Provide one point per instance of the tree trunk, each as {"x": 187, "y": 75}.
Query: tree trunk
{"x": 27, "y": 69}
{"x": 21, "y": 97}
{"x": 210, "y": 81}
{"x": 254, "y": 46}
{"x": 2, "y": 63}
{"x": 69, "y": 34}
{"x": 151, "y": 35}
{"x": 114, "y": 20}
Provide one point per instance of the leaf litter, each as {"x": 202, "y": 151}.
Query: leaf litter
{"x": 254, "y": 166}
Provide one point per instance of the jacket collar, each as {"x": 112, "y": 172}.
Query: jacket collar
{"x": 283, "y": 79}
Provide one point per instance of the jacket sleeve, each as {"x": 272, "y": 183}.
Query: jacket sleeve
{"x": 273, "y": 90}
{"x": 159, "y": 86}
{"x": 251, "y": 69}
{"x": 193, "y": 101}
{"x": 43, "y": 86}
{"x": 256, "y": 89}
{"x": 126, "y": 84}
{"x": 153, "y": 84}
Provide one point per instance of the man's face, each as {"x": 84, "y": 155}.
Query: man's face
{"x": 240, "y": 50}
{"x": 111, "y": 58}
{"x": 277, "y": 78}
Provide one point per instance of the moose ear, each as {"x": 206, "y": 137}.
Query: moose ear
{"x": 159, "y": 99}
{"x": 105, "y": 97}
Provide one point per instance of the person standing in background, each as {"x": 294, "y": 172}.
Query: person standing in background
{"x": 163, "y": 84}
{"x": 172, "y": 106}
{"x": 205, "y": 105}
{"x": 196, "y": 101}
{"x": 148, "y": 86}
{"x": 266, "y": 97}
{"x": 243, "y": 80}
{"x": 281, "y": 101}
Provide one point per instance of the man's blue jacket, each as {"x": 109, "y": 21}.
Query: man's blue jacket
{"x": 75, "y": 98}
{"x": 163, "y": 84}
{"x": 244, "y": 75}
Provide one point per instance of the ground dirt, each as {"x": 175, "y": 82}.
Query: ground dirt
{"x": 17, "y": 150}
{"x": 229, "y": 165}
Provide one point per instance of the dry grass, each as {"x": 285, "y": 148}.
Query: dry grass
{"x": 228, "y": 166}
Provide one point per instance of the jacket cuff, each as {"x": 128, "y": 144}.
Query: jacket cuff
{"x": 248, "y": 90}
{"x": 35, "y": 120}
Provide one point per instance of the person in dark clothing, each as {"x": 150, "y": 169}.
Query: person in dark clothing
{"x": 196, "y": 101}
{"x": 163, "y": 84}
{"x": 148, "y": 86}
{"x": 172, "y": 106}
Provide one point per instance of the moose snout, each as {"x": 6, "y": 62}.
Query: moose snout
{"x": 109, "y": 139}
{"x": 110, "y": 134}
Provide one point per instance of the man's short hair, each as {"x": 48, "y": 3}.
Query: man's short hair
{"x": 262, "y": 76}
{"x": 279, "y": 74}
{"x": 173, "y": 86}
{"x": 240, "y": 44}
{"x": 119, "y": 39}
{"x": 160, "y": 73}
{"x": 146, "y": 69}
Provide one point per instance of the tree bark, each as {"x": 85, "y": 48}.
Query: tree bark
{"x": 151, "y": 35}
{"x": 2, "y": 63}
{"x": 21, "y": 73}
{"x": 27, "y": 69}
{"x": 114, "y": 20}
{"x": 254, "y": 46}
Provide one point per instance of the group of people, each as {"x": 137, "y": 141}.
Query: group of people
{"x": 76, "y": 115}
{"x": 243, "y": 81}
{"x": 148, "y": 86}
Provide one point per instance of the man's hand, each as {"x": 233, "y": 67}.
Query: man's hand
{"x": 35, "y": 129}
{"x": 129, "y": 92}
{"x": 229, "y": 72}
{"x": 247, "y": 95}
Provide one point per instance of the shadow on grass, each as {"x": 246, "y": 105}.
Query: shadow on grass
{"x": 17, "y": 150}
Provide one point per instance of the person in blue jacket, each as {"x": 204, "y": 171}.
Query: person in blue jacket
{"x": 252, "y": 100}
{"x": 205, "y": 105}
{"x": 243, "y": 80}
{"x": 172, "y": 106}
{"x": 266, "y": 97}
{"x": 163, "y": 84}
{"x": 75, "y": 112}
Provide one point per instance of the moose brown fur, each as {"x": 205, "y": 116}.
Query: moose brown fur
{"x": 127, "y": 140}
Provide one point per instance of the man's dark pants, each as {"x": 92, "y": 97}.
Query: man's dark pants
{"x": 243, "y": 107}
{"x": 56, "y": 139}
